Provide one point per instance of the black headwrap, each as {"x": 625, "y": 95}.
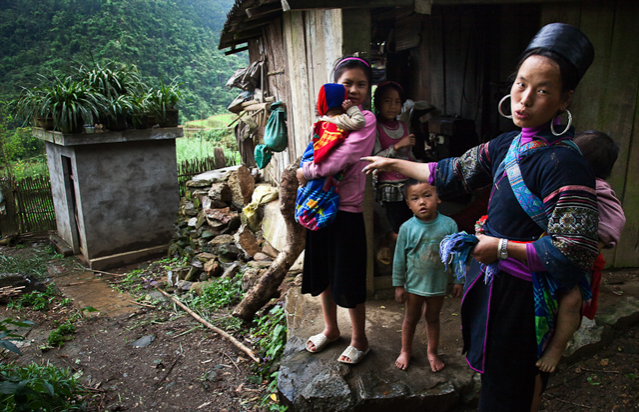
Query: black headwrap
{"x": 568, "y": 42}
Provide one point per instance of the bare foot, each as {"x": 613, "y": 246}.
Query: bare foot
{"x": 403, "y": 360}
{"x": 436, "y": 364}
{"x": 549, "y": 359}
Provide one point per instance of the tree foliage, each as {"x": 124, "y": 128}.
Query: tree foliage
{"x": 165, "y": 39}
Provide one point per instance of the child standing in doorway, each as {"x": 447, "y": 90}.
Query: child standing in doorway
{"x": 419, "y": 275}
{"x": 601, "y": 152}
{"x": 393, "y": 140}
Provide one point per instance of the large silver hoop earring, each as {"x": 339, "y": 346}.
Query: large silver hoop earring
{"x": 499, "y": 107}
{"x": 552, "y": 124}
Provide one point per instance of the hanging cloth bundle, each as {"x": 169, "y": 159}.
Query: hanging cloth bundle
{"x": 275, "y": 135}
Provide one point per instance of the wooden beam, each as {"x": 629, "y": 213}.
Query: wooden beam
{"x": 341, "y": 4}
{"x": 247, "y": 35}
{"x": 264, "y": 9}
{"x": 462, "y": 2}
{"x": 233, "y": 51}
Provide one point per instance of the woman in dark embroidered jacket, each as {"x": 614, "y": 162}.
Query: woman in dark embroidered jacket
{"x": 541, "y": 225}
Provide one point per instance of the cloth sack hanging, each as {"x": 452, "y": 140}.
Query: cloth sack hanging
{"x": 275, "y": 135}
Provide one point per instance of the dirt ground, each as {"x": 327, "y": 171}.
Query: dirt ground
{"x": 190, "y": 368}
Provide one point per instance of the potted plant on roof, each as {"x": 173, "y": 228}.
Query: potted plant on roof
{"x": 70, "y": 103}
{"x": 119, "y": 84}
{"x": 162, "y": 102}
{"x": 28, "y": 107}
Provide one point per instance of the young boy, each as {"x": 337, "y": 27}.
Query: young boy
{"x": 418, "y": 273}
{"x": 601, "y": 152}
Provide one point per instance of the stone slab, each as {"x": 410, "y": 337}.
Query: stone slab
{"x": 317, "y": 382}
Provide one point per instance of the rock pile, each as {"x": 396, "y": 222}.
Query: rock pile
{"x": 213, "y": 232}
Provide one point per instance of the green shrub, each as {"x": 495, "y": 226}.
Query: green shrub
{"x": 222, "y": 293}
{"x": 270, "y": 338}
{"x": 36, "y": 300}
{"x": 60, "y": 335}
{"x": 39, "y": 388}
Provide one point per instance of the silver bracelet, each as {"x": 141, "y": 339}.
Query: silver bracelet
{"x": 503, "y": 249}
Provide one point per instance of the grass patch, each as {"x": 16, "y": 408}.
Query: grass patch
{"x": 213, "y": 122}
{"x": 201, "y": 144}
{"x": 33, "y": 263}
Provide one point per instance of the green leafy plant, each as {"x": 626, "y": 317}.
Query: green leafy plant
{"x": 7, "y": 335}
{"x": 112, "y": 80}
{"x": 70, "y": 102}
{"x": 39, "y": 388}
{"x": 59, "y": 336}
{"x": 270, "y": 338}
{"x": 162, "y": 101}
{"x": 40, "y": 301}
{"x": 222, "y": 293}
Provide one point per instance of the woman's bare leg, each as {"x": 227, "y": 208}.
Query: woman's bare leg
{"x": 431, "y": 313}
{"x": 329, "y": 310}
{"x": 358, "y": 322}
{"x": 412, "y": 315}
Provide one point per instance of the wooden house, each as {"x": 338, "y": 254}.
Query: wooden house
{"x": 456, "y": 55}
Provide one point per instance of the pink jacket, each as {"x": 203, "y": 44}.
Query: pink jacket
{"x": 346, "y": 157}
{"x": 611, "y": 216}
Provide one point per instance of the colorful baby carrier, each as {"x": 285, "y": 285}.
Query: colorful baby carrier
{"x": 317, "y": 202}
{"x": 545, "y": 287}
{"x": 326, "y": 135}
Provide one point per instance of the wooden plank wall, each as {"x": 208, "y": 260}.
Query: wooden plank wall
{"x": 460, "y": 63}
{"x": 607, "y": 99}
{"x": 312, "y": 41}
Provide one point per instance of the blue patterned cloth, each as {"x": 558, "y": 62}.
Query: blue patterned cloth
{"x": 317, "y": 202}
{"x": 455, "y": 249}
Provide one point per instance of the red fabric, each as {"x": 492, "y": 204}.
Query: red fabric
{"x": 326, "y": 136}
{"x": 591, "y": 309}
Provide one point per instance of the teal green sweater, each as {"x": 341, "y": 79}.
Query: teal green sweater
{"x": 417, "y": 265}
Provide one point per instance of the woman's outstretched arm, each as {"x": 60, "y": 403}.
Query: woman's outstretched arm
{"x": 419, "y": 171}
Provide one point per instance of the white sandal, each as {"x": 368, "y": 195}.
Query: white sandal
{"x": 355, "y": 355}
{"x": 320, "y": 341}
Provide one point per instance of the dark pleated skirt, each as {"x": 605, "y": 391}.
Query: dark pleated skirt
{"x": 335, "y": 256}
{"x": 510, "y": 350}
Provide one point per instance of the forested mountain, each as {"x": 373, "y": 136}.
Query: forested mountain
{"x": 164, "y": 38}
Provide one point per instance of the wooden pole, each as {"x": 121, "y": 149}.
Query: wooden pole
{"x": 197, "y": 317}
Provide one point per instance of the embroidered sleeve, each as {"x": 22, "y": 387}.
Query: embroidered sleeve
{"x": 570, "y": 249}
{"x": 464, "y": 174}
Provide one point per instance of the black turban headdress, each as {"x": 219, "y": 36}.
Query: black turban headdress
{"x": 568, "y": 42}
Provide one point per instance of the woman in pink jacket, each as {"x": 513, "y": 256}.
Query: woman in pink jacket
{"x": 335, "y": 256}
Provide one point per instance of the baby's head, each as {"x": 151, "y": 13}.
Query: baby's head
{"x": 389, "y": 98}
{"x": 600, "y": 151}
{"x": 330, "y": 99}
{"x": 421, "y": 199}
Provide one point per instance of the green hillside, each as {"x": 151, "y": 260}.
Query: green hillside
{"x": 164, "y": 38}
